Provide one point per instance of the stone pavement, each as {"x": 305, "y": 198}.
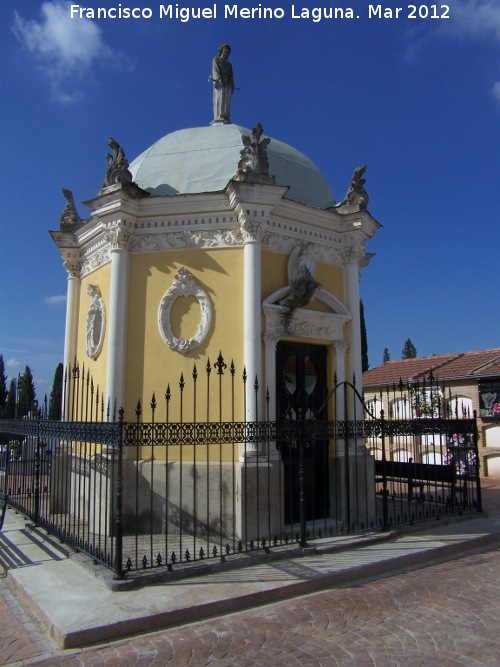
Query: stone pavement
{"x": 445, "y": 615}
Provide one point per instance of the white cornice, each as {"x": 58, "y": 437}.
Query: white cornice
{"x": 215, "y": 220}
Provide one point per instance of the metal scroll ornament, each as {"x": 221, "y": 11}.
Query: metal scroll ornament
{"x": 184, "y": 285}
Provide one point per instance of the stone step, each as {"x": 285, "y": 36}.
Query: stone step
{"x": 24, "y": 545}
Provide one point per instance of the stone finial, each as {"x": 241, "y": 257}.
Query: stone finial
{"x": 69, "y": 218}
{"x": 356, "y": 195}
{"x": 253, "y": 166}
{"x": 117, "y": 169}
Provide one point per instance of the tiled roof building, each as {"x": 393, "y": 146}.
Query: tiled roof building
{"x": 472, "y": 381}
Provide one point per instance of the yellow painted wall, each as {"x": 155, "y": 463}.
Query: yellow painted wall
{"x": 274, "y": 272}
{"x": 151, "y": 364}
{"x": 96, "y": 368}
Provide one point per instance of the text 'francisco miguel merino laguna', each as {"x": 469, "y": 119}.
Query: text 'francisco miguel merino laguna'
{"x": 184, "y": 14}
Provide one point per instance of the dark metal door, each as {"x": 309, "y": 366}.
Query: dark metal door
{"x": 301, "y": 390}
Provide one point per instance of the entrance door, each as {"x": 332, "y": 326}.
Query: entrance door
{"x": 301, "y": 391}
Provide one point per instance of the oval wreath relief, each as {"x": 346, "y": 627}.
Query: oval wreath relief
{"x": 184, "y": 285}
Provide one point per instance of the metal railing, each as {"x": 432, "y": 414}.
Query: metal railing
{"x": 156, "y": 493}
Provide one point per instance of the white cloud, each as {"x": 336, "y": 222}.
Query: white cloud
{"x": 55, "y": 300}
{"x": 469, "y": 19}
{"x": 66, "y": 49}
{"x": 475, "y": 17}
{"x": 496, "y": 91}
{"x": 480, "y": 19}
{"x": 12, "y": 363}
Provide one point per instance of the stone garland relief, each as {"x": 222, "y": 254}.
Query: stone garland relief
{"x": 96, "y": 323}
{"x": 184, "y": 285}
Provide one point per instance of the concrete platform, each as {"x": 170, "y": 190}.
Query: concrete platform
{"x": 75, "y": 600}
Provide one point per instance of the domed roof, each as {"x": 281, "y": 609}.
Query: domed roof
{"x": 205, "y": 159}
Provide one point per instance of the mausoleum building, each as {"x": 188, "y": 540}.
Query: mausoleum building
{"x": 215, "y": 239}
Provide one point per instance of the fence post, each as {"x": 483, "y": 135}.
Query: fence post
{"x": 478, "y": 465}
{"x": 302, "y": 478}
{"x": 36, "y": 488}
{"x": 347, "y": 472}
{"x": 119, "y": 573}
{"x": 385, "y": 504}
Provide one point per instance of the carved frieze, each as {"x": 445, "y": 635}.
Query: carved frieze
{"x": 305, "y": 326}
{"x": 184, "y": 285}
{"x": 185, "y": 240}
{"x": 96, "y": 260}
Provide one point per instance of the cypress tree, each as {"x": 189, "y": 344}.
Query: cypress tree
{"x": 409, "y": 350}
{"x": 26, "y": 394}
{"x": 55, "y": 400}
{"x": 365, "y": 364}
{"x": 10, "y": 404}
{"x": 3, "y": 387}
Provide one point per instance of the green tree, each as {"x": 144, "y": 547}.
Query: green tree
{"x": 409, "y": 350}
{"x": 365, "y": 364}
{"x": 10, "y": 404}
{"x": 387, "y": 355}
{"x": 55, "y": 401}
{"x": 26, "y": 394}
{"x": 3, "y": 386}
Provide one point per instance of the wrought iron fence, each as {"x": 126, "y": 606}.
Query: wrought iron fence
{"x": 159, "y": 491}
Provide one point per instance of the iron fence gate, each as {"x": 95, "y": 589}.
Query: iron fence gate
{"x": 163, "y": 490}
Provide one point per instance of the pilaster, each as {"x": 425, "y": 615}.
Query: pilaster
{"x": 117, "y": 236}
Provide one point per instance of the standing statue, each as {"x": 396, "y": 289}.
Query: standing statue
{"x": 223, "y": 80}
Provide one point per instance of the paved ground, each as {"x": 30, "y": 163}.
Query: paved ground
{"x": 442, "y": 616}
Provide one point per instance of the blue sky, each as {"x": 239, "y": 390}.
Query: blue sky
{"x": 418, "y": 101}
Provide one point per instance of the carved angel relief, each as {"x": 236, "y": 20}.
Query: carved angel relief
{"x": 184, "y": 285}
{"x": 302, "y": 283}
{"x": 96, "y": 323}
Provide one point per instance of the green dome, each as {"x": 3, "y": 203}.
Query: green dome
{"x": 205, "y": 159}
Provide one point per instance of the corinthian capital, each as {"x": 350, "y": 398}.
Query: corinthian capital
{"x": 341, "y": 346}
{"x": 73, "y": 268}
{"x": 118, "y": 237}
{"x": 354, "y": 254}
{"x": 250, "y": 229}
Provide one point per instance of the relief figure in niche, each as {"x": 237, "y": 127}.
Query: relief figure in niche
{"x": 96, "y": 321}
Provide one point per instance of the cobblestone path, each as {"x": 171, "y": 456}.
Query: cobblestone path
{"x": 445, "y": 615}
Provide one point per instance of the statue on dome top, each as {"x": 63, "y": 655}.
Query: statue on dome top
{"x": 223, "y": 80}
